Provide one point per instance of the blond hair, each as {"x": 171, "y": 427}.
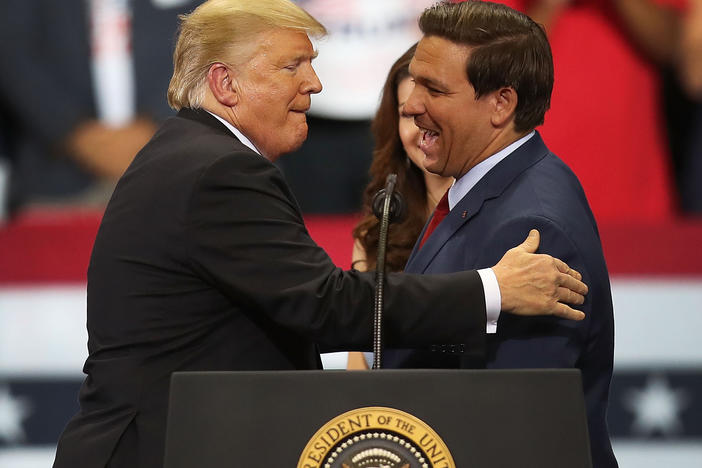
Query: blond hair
{"x": 225, "y": 31}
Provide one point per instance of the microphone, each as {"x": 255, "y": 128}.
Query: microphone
{"x": 398, "y": 208}
{"x": 388, "y": 207}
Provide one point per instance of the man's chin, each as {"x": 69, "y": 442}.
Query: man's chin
{"x": 432, "y": 165}
{"x": 300, "y": 138}
{"x": 293, "y": 145}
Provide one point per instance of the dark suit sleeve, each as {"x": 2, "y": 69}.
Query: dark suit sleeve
{"x": 538, "y": 342}
{"x": 250, "y": 242}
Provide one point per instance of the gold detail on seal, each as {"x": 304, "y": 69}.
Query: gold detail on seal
{"x": 375, "y": 421}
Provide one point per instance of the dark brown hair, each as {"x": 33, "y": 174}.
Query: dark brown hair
{"x": 508, "y": 50}
{"x": 389, "y": 157}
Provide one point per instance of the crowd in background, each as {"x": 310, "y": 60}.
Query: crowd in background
{"x": 76, "y": 103}
{"x": 83, "y": 88}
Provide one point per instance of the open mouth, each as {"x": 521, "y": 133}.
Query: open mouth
{"x": 428, "y": 138}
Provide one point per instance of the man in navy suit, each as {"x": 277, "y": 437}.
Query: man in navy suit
{"x": 483, "y": 78}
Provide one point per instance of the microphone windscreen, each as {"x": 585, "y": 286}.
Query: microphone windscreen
{"x": 398, "y": 208}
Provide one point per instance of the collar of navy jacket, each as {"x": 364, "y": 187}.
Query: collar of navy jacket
{"x": 490, "y": 186}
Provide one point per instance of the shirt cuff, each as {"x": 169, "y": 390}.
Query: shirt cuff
{"x": 493, "y": 299}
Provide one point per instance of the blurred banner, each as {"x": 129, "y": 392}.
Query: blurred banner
{"x": 365, "y": 38}
{"x": 656, "y": 402}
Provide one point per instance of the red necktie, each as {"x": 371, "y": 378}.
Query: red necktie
{"x": 442, "y": 209}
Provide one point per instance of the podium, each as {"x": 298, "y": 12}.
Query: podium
{"x": 436, "y": 418}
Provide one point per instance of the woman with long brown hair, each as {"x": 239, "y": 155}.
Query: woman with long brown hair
{"x": 396, "y": 151}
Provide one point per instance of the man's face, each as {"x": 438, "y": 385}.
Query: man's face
{"x": 456, "y": 131}
{"x": 274, "y": 90}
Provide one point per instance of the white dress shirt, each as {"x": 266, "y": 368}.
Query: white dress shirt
{"x": 240, "y": 136}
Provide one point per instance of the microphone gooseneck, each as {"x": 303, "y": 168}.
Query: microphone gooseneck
{"x": 388, "y": 207}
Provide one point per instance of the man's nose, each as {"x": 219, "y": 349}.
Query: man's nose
{"x": 414, "y": 104}
{"x": 311, "y": 85}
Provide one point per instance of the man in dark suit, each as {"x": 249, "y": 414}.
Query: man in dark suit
{"x": 484, "y": 76}
{"x": 202, "y": 260}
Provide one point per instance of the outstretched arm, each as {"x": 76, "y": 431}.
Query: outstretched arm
{"x": 653, "y": 27}
{"x": 357, "y": 359}
{"x": 546, "y": 12}
{"x": 691, "y": 50}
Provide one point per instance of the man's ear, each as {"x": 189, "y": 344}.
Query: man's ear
{"x": 221, "y": 83}
{"x": 505, "y": 106}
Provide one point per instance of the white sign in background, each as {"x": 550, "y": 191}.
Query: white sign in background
{"x": 365, "y": 38}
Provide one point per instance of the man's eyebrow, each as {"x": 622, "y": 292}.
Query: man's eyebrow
{"x": 426, "y": 81}
{"x": 302, "y": 57}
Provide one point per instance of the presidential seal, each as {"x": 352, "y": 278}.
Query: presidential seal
{"x": 376, "y": 437}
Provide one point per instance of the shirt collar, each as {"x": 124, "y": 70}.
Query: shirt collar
{"x": 242, "y": 138}
{"x": 462, "y": 186}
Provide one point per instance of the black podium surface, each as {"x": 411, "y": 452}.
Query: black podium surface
{"x": 486, "y": 418}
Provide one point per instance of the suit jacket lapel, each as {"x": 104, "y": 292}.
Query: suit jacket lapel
{"x": 490, "y": 186}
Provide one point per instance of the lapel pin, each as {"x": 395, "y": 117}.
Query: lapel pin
{"x": 464, "y": 214}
